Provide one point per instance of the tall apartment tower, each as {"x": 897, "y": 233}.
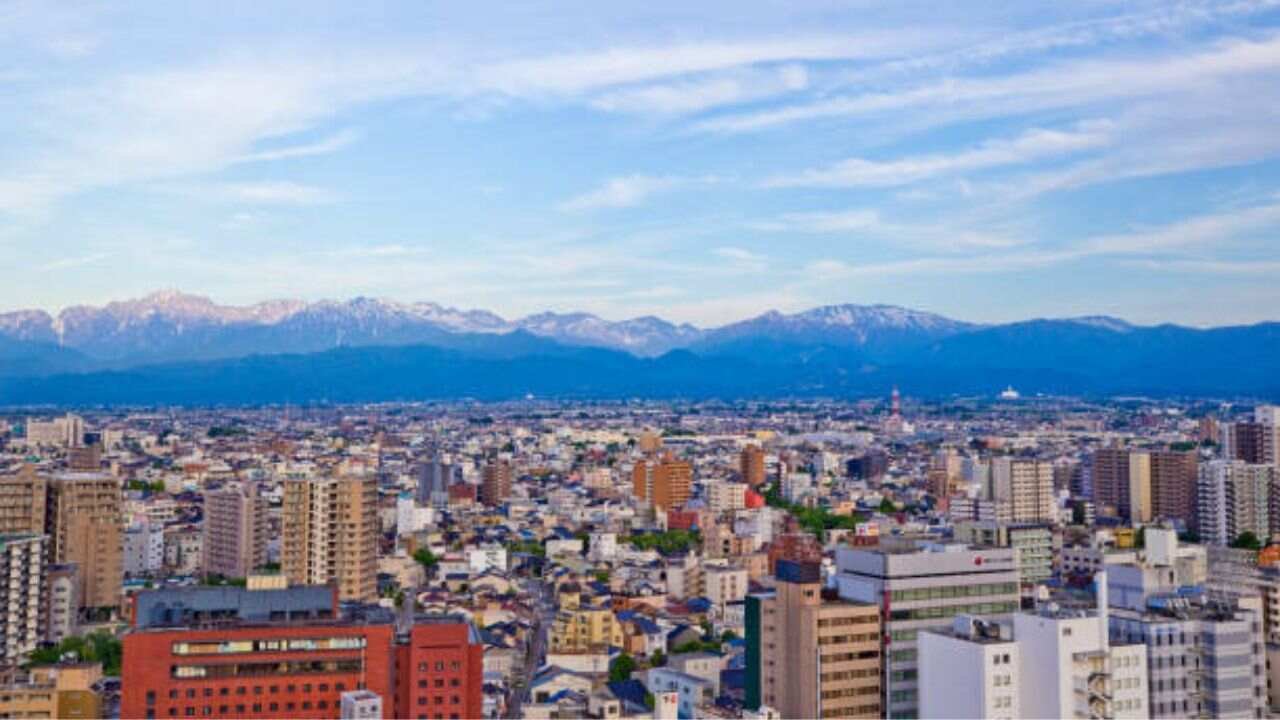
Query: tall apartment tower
{"x": 919, "y": 585}
{"x": 1235, "y": 497}
{"x": 234, "y": 541}
{"x": 810, "y": 656}
{"x": 331, "y": 534}
{"x": 23, "y": 497}
{"x": 665, "y": 484}
{"x": 1173, "y": 485}
{"x": 751, "y": 465}
{"x": 434, "y": 478}
{"x": 80, "y": 512}
{"x": 23, "y": 562}
{"x": 1122, "y": 483}
{"x": 1025, "y": 486}
{"x": 495, "y": 486}
{"x": 1109, "y": 469}
{"x": 1256, "y": 442}
{"x": 84, "y": 527}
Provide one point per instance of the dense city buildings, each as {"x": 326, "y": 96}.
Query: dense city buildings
{"x": 549, "y": 560}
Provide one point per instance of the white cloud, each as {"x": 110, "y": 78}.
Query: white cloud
{"x": 1036, "y": 144}
{"x": 1062, "y": 85}
{"x": 323, "y": 146}
{"x": 274, "y": 193}
{"x": 742, "y": 259}
{"x": 695, "y": 95}
{"x": 627, "y": 191}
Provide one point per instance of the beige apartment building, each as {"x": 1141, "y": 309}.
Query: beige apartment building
{"x": 331, "y": 534}
{"x": 1025, "y": 487}
{"x": 80, "y": 512}
{"x": 84, "y": 527}
{"x": 818, "y": 656}
{"x": 234, "y": 543}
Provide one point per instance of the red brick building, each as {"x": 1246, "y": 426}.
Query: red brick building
{"x": 441, "y": 672}
{"x": 300, "y": 670}
{"x": 255, "y": 671}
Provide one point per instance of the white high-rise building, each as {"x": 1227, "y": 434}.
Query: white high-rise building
{"x": 919, "y": 586}
{"x": 1047, "y": 664}
{"x": 1234, "y": 497}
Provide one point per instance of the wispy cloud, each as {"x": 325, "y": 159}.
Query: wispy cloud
{"x": 742, "y": 259}
{"x": 629, "y": 191}
{"x": 324, "y": 146}
{"x": 76, "y": 261}
{"x": 274, "y": 193}
{"x": 1032, "y": 145}
{"x": 1061, "y": 85}
{"x": 695, "y": 95}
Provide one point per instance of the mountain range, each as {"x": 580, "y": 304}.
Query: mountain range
{"x": 171, "y": 347}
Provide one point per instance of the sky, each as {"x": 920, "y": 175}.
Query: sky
{"x": 701, "y": 161}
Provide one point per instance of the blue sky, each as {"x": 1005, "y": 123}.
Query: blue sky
{"x": 701, "y": 161}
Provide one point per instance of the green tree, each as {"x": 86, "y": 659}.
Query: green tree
{"x": 621, "y": 668}
{"x": 888, "y": 507}
{"x": 657, "y": 659}
{"x": 102, "y": 647}
{"x": 1247, "y": 541}
{"x": 426, "y": 559}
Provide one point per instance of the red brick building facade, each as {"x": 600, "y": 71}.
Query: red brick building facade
{"x": 302, "y": 670}
{"x": 441, "y": 668}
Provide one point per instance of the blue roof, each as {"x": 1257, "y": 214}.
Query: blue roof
{"x": 647, "y": 626}
{"x": 698, "y": 604}
{"x": 632, "y": 691}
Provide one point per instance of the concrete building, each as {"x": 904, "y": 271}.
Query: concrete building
{"x": 83, "y": 523}
{"x": 1173, "y": 486}
{"x": 63, "y": 598}
{"x": 920, "y": 585}
{"x": 68, "y": 691}
{"x": 1034, "y": 545}
{"x": 234, "y": 542}
{"x": 691, "y": 691}
{"x": 434, "y": 479}
{"x": 723, "y": 585}
{"x": 751, "y": 465}
{"x": 331, "y": 528}
{"x": 970, "y": 670}
{"x": 1205, "y": 659}
{"x": 1235, "y": 497}
{"x": 23, "y": 562}
{"x": 495, "y": 486}
{"x": 725, "y": 496}
{"x": 812, "y": 656}
{"x": 142, "y": 551}
{"x": 360, "y": 705}
{"x": 80, "y": 512}
{"x": 66, "y": 431}
{"x": 1026, "y": 487}
{"x": 665, "y": 484}
{"x": 1108, "y": 470}
{"x": 1049, "y": 664}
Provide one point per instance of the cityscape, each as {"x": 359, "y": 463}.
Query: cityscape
{"x": 997, "y": 556}
{"x": 649, "y": 360}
